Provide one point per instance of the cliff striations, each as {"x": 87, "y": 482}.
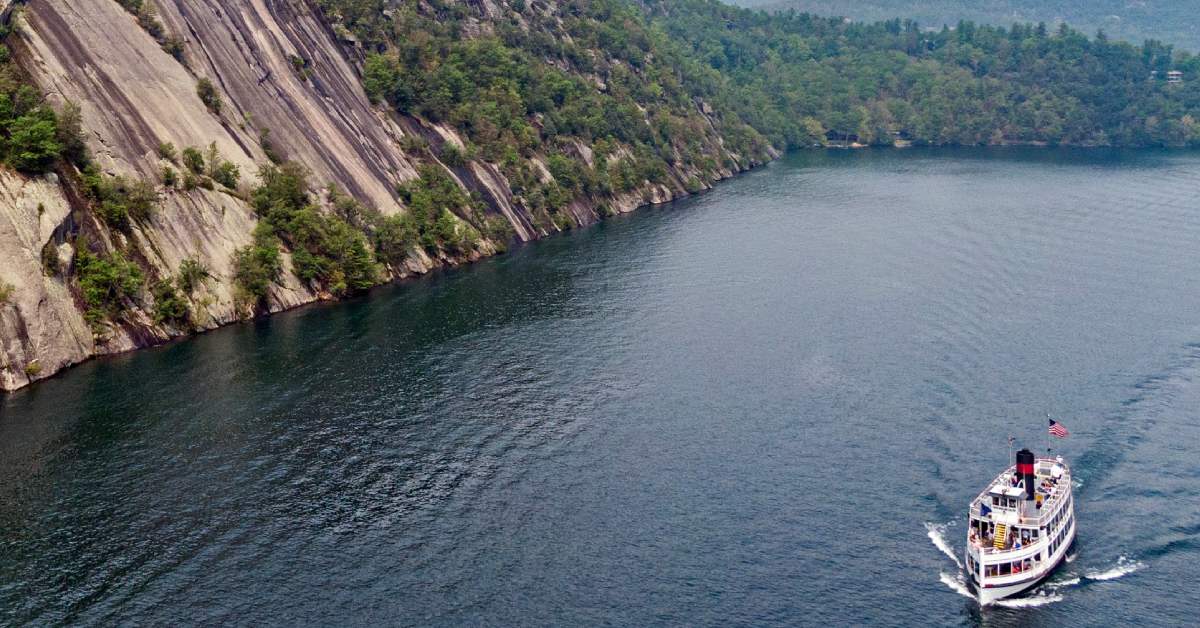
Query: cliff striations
{"x": 244, "y": 84}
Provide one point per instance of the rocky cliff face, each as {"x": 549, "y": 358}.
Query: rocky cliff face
{"x": 290, "y": 88}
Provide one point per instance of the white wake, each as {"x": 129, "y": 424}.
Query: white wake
{"x": 937, "y": 534}
{"x": 1029, "y": 602}
{"x": 1123, "y": 567}
{"x": 957, "y": 584}
{"x": 1060, "y": 584}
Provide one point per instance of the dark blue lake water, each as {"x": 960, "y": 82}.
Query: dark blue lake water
{"x": 766, "y": 406}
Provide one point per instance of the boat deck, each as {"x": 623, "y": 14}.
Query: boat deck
{"x": 1051, "y": 490}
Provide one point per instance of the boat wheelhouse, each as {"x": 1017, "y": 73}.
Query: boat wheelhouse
{"x": 1020, "y": 527}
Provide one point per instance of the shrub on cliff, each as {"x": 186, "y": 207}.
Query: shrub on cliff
{"x": 350, "y": 209}
{"x": 33, "y": 137}
{"x": 106, "y": 282}
{"x": 565, "y": 171}
{"x": 432, "y": 199}
{"x": 166, "y": 150}
{"x": 70, "y": 135}
{"x": 192, "y": 274}
{"x": 120, "y": 201}
{"x": 133, "y": 6}
{"x": 173, "y": 46}
{"x": 147, "y": 18}
{"x": 257, "y": 266}
{"x": 326, "y": 249}
{"x": 452, "y": 233}
{"x": 33, "y": 143}
{"x": 452, "y": 155}
{"x": 193, "y": 160}
{"x": 227, "y": 174}
{"x": 169, "y": 306}
{"x": 224, "y": 172}
{"x": 284, "y": 188}
{"x": 208, "y": 95}
{"x": 394, "y": 238}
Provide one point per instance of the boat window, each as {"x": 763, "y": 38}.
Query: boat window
{"x": 995, "y": 500}
{"x": 990, "y": 570}
{"x": 1005, "y": 569}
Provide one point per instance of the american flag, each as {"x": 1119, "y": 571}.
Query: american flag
{"x": 1057, "y": 429}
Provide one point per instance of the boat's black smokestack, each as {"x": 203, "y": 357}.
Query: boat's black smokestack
{"x": 1025, "y": 471}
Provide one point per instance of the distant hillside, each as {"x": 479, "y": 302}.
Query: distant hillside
{"x": 1171, "y": 21}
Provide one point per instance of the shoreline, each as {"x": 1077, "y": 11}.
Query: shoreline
{"x": 446, "y": 268}
{"x": 395, "y": 281}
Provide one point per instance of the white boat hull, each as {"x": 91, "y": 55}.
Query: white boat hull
{"x": 990, "y": 593}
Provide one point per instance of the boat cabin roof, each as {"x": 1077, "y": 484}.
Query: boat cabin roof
{"x": 1007, "y": 491}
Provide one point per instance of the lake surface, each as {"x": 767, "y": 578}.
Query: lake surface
{"x": 768, "y": 405}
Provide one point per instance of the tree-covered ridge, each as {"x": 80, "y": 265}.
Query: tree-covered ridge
{"x": 631, "y": 79}
{"x": 590, "y": 92}
{"x": 1173, "y": 21}
{"x": 968, "y": 85}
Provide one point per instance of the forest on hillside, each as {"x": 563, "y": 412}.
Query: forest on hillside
{"x": 629, "y": 75}
{"x": 790, "y": 74}
{"x": 1171, "y": 21}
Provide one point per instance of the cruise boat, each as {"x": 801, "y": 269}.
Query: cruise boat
{"x": 1021, "y": 527}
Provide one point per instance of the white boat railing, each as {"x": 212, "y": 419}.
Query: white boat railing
{"x": 1050, "y": 504}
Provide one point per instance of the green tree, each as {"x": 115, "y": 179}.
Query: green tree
{"x": 33, "y": 142}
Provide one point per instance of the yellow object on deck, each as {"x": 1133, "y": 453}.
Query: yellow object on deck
{"x": 1001, "y": 534}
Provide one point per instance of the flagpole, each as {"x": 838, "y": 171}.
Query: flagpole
{"x": 1048, "y": 434}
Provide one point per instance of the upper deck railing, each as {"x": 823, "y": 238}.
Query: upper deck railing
{"x": 1049, "y": 504}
